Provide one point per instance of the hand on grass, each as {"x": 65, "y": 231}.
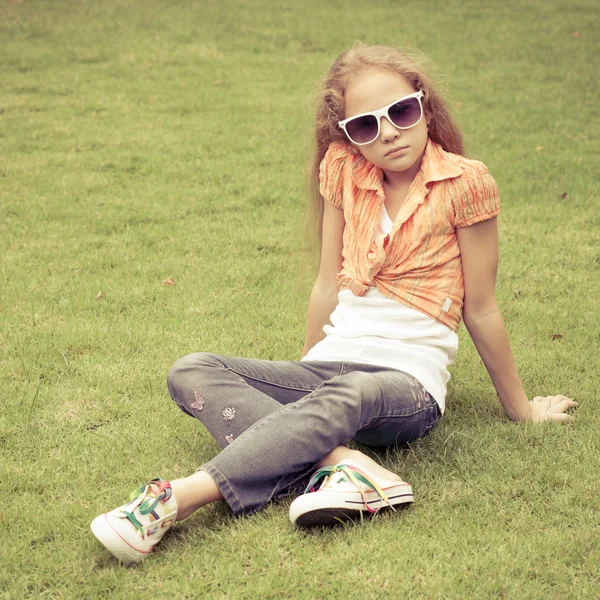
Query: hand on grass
{"x": 551, "y": 408}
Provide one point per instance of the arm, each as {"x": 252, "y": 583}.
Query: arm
{"x": 479, "y": 254}
{"x": 323, "y": 298}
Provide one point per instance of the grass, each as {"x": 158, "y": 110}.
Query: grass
{"x": 146, "y": 140}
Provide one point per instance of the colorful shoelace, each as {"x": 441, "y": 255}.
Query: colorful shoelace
{"x": 146, "y": 500}
{"x": 355, "y": 476}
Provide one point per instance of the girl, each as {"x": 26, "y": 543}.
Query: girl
{"x": 408, "y": 246}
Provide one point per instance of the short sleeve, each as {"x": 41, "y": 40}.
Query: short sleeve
{"x": 476, "y": 196}
{"x": 331, "y": 174}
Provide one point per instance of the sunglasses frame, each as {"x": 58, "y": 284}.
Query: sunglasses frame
{"x": 383, "y": 112}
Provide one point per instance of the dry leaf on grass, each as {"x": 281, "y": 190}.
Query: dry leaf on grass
{"x": 100, "y": 295}
{"x": 539, "y": 148}
{"x": 577, "y": 34}
{"x": 168, "y": 281}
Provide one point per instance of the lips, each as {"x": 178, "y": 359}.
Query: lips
{"x": 397, "y": 150}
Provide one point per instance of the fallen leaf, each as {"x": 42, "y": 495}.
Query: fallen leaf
{"x": 564, "y": 196}
{"x": 556, "y": 336}
{"x": 577, "y": 34}
{"x": 168, "y": 281}
{"x": 517, "y": 293}
{"x": 100, "y": 295}
{"x": 539, "y": 148}
{"x": 217, "y": 82}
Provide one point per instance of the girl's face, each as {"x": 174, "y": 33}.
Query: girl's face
{"x": 394, "y": 150}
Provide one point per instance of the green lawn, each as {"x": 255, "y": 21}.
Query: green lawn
{"x": 142, "y": 140}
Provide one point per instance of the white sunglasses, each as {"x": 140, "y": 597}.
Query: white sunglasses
{"x": 403, "y": 114}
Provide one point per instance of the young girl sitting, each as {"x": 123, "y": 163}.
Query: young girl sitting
{"x": 409, "y": 245}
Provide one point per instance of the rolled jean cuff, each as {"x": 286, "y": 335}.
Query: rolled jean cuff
{"x": 226, "y": 491}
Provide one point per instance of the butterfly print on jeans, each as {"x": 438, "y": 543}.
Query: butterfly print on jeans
{"x": 198, "y": 403}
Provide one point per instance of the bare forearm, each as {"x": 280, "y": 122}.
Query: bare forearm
{"x": 490, "y": 337}
{"x": 479, "y": 255}
{"x": 321, "y": 304}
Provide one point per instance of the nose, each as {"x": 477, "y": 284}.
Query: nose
{"x": 387, "y": 132}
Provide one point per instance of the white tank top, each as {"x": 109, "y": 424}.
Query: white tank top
{"x": 376, "y": 330}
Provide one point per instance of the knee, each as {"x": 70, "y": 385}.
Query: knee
{"x": 176, "y": 374}
{"x": 178, "y": 378}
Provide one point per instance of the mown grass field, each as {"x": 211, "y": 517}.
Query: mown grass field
{"x": 146, "y": 140}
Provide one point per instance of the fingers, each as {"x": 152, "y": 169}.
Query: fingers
{"x": 561, "y": 418}
{"x": 552, "y": 408}
{"x": 556, "y": 401}
{"x": 559, "y": 398}
{"x": 564, "y": 405}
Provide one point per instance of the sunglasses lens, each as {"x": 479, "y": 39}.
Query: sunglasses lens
{"x": 363, "y": 129}
{"x": 406, "y": 113}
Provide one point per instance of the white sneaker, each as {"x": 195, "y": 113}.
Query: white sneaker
{"x": 346, "y": 492}
{"x": 131, "y": 531}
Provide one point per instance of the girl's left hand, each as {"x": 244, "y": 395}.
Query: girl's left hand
{"x": 551, "y": 408}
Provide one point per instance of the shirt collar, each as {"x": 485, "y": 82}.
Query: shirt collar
{"x": 437, "y": 165}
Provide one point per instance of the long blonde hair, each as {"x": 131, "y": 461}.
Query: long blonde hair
{"x": 330, "y": 109}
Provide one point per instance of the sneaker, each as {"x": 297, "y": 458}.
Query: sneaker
{"x": 131, "y": 531}
{"x": 346, "y": 492}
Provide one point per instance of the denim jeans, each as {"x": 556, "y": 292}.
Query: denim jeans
{"x": 276, "y": 419}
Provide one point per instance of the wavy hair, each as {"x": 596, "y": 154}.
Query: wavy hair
{"x": 330, "y": 109}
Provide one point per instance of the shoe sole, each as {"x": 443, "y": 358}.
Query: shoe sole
{"x": 327, "y": 509}
{"x": 110, "y": 538}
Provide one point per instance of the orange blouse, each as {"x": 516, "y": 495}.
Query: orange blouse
{"x": 418, "y": 263}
